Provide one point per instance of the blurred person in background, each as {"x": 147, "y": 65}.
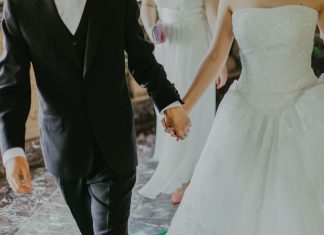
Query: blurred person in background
{"x": 182, "y": 31}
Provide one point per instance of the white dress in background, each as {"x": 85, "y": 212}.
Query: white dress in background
{"x": 188, "y": 39}
{"x": 262, "y": 169}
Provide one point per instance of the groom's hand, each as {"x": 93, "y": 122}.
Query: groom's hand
{"x": 18, "y": 175}
{"x": 177, "y": 121}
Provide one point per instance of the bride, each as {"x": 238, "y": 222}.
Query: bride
{"x": 262, "y": 169}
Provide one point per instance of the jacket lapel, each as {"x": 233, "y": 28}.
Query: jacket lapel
{"x": 96, "y": 13}
{"x": 54, "y": 26}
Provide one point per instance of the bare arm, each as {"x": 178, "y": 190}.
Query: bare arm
{"x": 216, "y": 57}
{"x": 211, "y": 13}
{"x": 148, "y": 15}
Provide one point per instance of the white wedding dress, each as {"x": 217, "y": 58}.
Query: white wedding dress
{"x": 188, "y": 39}
{"x": 262, "y": 169}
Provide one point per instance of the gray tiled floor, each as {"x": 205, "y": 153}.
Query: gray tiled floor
{"x": 148, "y": 217}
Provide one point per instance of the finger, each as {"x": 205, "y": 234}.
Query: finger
{"x": 217, "y": 81}
{"x": 27, "y": 178}
{"x": 19, "y": 185}
{"x": 166, "y": 128}
{"x": 185, "y": 129}
{"x": 181, "y": 130}
{"x": 163, "y": 122}
{"x": 171, "y": 130}
{"x": 180, "y": 135}
{"x": 222, "y": 83}
{"x": 15, "y": 184}
{"x": 223, "y": 80}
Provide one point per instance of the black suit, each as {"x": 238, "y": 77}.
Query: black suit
{"x": 85, "y": 109}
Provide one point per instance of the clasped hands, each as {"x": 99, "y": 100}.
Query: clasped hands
{"x": 177, "y": 123}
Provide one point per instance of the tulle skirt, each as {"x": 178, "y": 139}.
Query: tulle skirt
{"x": 185, "y": 48}
{"x": 261, "y": 172}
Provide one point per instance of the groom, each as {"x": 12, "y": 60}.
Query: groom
{"x": 86, "y": 119}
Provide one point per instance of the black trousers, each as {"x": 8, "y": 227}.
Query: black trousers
{"x": 100, "y": 203}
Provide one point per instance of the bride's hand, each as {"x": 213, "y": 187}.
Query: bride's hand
{"x": 158, "y": 35}
{"x": 163, "y": 39}
{"x": 221, "y": 81}
{"x": 168, "y": 130}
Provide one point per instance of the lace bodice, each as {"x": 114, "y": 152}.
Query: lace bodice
{"x": 276, "y": 46}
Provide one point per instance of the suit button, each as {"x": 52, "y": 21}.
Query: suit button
{"x": 74, "y": 43}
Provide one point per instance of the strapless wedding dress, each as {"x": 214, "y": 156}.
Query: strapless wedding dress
{"x": 188, "y": 40}
{"x": 262, "y": 169}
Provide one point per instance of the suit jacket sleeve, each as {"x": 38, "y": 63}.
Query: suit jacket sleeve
{"x": 143, "y": 65}
{"x": 15, "y": 91}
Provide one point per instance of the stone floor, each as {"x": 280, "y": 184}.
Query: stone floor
{"x": 44, "y": 212}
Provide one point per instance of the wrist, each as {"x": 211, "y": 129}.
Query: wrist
{"x": 5, "y": 162}
{"x": 186, "y": 106}
{"x": 12, "y": 154}
{"x": 171, "y": 110}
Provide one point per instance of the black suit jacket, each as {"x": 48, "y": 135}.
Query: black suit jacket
{"x": 79, "y": 106}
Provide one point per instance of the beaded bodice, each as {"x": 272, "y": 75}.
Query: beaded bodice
{"x": 275, "y": 47}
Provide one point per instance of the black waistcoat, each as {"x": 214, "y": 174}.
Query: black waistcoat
{"x": 79, "y": 39}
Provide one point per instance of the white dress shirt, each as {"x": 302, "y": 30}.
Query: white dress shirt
{"x": 70, "y": 12}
